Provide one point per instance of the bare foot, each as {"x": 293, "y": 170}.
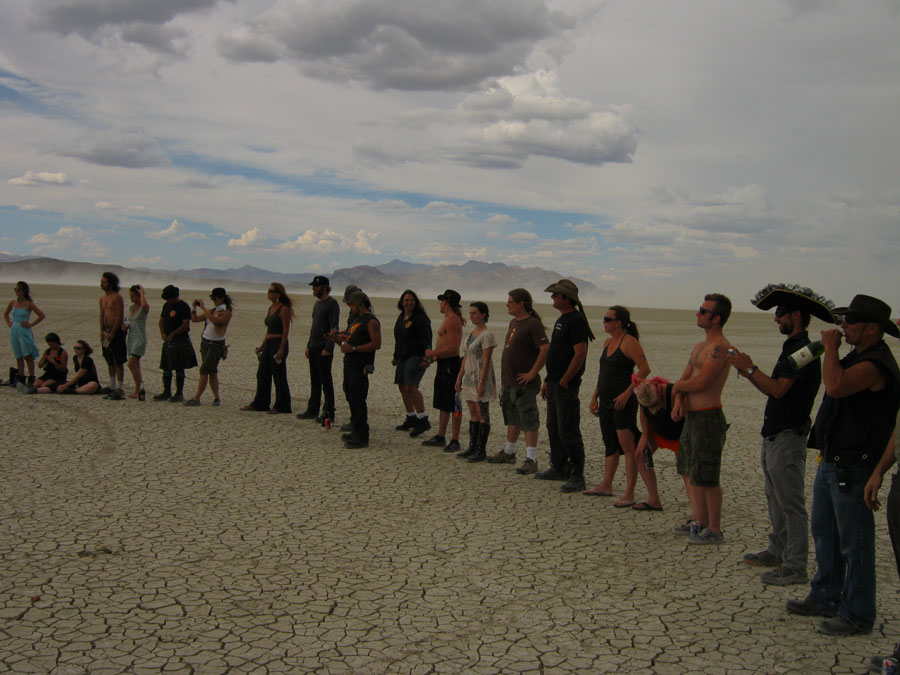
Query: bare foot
{"x": 133, "y": 395}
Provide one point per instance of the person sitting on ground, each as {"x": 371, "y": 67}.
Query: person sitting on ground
{"x": 85, "y": 380}
{"x": 55, "y": 362}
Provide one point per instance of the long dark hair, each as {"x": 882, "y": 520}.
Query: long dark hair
{"x": 417, "y": 308}
{"x": 112, "y": 281}
{"x": 283, "y": 297}
{"x": 86, "y": 349}
{"x": 623, "y": 315}
{"x": 523, "y": 296}
{"x": 226, "y": 300}
{"x": 26, "y": 290}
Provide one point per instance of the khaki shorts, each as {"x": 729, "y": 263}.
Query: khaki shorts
{"x": 519, "y": 405}
{"x": 700, "y": 447}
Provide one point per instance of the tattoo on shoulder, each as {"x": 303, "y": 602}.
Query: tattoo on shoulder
{"x": 717, "y": 351}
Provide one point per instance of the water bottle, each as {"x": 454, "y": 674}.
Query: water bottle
{"x": 648, "y": 458}
{"x": 806, "y": 355}
{"x": 457, "y": 406}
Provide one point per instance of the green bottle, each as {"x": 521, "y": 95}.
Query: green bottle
{"x": 806, "y": 355}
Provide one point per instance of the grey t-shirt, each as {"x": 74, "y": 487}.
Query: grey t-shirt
{"x": 325, "y": 317}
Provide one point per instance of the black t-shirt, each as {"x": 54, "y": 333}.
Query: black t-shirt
{"x": 412, "y": 336}
{"x": 175, "y": 315}
{"x": 569, "y": 330}
{"x": 792, "y": 410}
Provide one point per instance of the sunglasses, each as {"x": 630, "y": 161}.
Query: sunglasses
{"x": 853, "y": 319}
{"x": 781, "y": 311}
{"x": 703, "y": 311}
{"x": 78, "y": 349}
{"x": 610, "y": 319}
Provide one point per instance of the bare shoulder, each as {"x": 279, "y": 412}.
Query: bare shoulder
{"x": 716, "y": 349}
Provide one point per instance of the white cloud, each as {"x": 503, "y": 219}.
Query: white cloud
{"x": 70, "y": 241}
{"x": 104, "y": 205}
{"x": 329, "y": 241}
{"x": 522, "y": 237}
{"x": 252, "y": 237}
{"x": 36, "y": 179}
{"x": 28, "y": 207}
{"x": 175, "y": 232}
{"x": 499, "y": 219}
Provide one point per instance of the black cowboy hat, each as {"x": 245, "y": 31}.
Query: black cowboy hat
{"x": 796, "y": 297}
{"x": 873, "y": 310}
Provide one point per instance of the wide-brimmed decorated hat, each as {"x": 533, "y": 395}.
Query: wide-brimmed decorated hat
{"x": 873, "y": 310}
{"x": 797, "y": 297}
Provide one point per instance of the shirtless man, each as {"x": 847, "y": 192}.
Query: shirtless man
{"x": 446, "y": 353}
{"x": 112, "y": 337}
{"x": 698, "y": 399}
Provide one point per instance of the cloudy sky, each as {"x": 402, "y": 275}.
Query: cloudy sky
{"x": 659, "y": 148}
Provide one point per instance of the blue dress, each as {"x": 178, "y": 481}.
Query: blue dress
{"x": 21, "y": 338}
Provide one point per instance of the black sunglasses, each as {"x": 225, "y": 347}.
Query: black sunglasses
{"x": 610, "y": 319}
{"x": 703, "y": 311}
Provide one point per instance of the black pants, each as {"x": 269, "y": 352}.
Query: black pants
{"x": 270, "y": 372}
{"x": 357, "y": 392}
{"x": 564, "y": 427}
{"x": 893, "y": 517}
{"x": 320, "y": 381}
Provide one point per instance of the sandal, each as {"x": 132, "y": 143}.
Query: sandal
{"x": 646, "y": 506}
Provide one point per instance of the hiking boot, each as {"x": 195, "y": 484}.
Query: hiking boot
{"x": 783, "y": 576}
{"x": 356, "y": 442}
{"x": 163, "y": 396}
{"x": 408, "y": 423}
{"x": 553, "y": 474}
{"x": 177, "y": 398}
{"x": 706, "y": 536}
{"x": 191, "y": 403}
{"x": 762, "y": 559}
{"x": 574, "y": 484}
{"x": 529, "y": 466}
{"x": 420, "y": 426}
{"x": 347, "y": 427}
{"x": 307, "y": 415}
{"x": 502, "y": 458}
{"x": 806, "y": 607}
{"x": 434, "y": 442}
{"x": 839, "y": 626}
{"x": 452, "y": 446}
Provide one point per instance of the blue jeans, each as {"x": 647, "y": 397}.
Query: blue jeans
{"x": 843, "y": 529}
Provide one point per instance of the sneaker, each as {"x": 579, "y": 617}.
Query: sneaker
{"x": 434, "y": 442}
{"x": 876, "y": 663}
{"x": 308, "y": 415}
{"x": 839, "y": 626}
{"x": 551, "y": 474}
{"x": 762, "y": 559}
{"x": 502, "y": 458}
{"x": 408, "y": 423}
{"x": 163, "y": 396}
{"x": 420, "y": 426}
{"x": 177, "y": 398}
{"x": 574, "y": 484}
{"x": 453, "y": 446}
{"x": 528, "y": 467}
{"x": 783, "y": 576}
{"x": 191, "y": 403}
{"x": 806, "y": 607}
{"x": 685, "y": 527}
{"x": 217, "y": 402}
{"x": 707, "y": 536}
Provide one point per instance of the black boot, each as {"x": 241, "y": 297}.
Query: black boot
{"x": 166, "y": 393}
{"x": 420, "y": 427}
{"x": 474, "y": 432}
{"x": 481, "y": 450}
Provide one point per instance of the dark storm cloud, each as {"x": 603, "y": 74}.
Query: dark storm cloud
{"x": 87, "y": 16}
{"x": 394, "y": 44}
{"x": 131, "y": 150}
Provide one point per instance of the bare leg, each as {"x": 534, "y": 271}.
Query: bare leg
{"x": 442, "y": 426}
{"x": 406, "y": 395}
{"x": 201, "y": 385}
{"x": 456, "y": 425}
{"x": 712, "y": 497}
{"x": 698, "y": 504}
{"x": 626, "y": 441}
{"x": 531, "y": 438}
{"x": 512, "y": 434}
{"x": 609, "y": 472}
{"x": 29, "y": 361}
{"x": 20, "y": 366}
{"x": 417, "y": 399}
{"x": 648, "y": 475}
{"x": 134, "y": 366}
{"x": 214, "y": 384}
{"x": 474, "y": 411}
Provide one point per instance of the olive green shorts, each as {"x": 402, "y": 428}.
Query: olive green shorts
{"x": 519, "y": 405}
{"x": 701, "y": 445}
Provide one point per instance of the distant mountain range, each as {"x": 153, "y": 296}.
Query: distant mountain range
{"x": 490, "y": 281}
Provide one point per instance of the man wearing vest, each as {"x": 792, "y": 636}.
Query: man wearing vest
{"x": 852, "y": 429}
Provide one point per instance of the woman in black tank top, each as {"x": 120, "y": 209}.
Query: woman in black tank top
{"x": 613, "y": 402}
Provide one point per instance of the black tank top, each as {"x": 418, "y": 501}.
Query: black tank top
{"x": 615, "y": 374}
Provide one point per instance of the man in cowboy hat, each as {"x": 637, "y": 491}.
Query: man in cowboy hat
{"x": 791, "y": 394}
{"x": 565, "y": 366}
{"x": 853, "y": 427}
{"x": 320, "y": 352}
